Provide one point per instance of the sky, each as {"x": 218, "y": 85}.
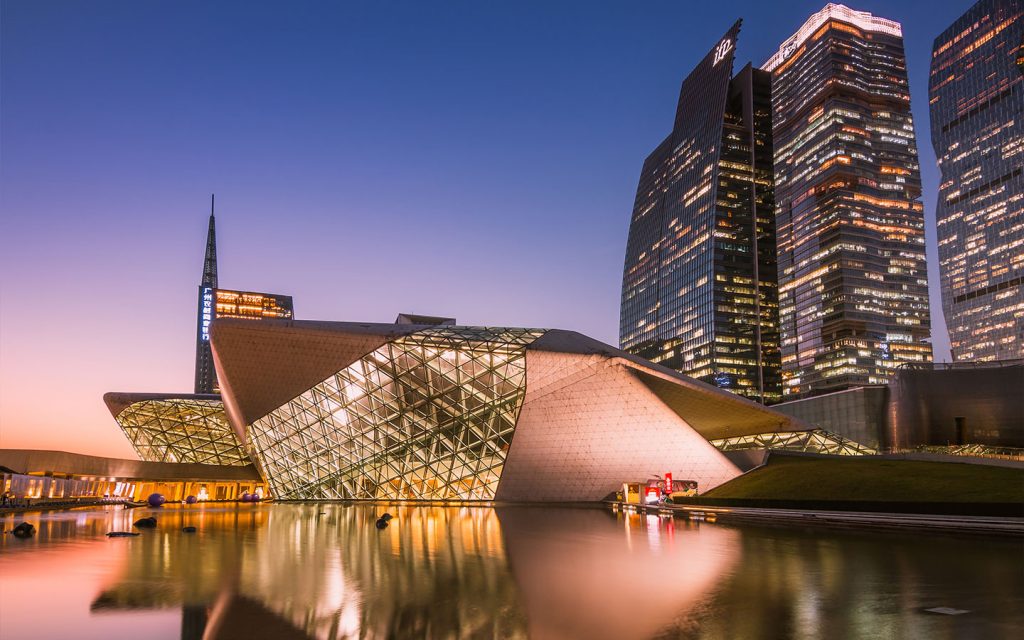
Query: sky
{"x": 468, "y": 159}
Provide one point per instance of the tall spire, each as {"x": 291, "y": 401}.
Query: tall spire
{"x": 210, "y": 264}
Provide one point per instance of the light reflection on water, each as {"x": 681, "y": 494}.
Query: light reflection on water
{"x": 324, "y": 571}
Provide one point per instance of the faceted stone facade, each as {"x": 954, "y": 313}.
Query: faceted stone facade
{"x": 588, "y": 424}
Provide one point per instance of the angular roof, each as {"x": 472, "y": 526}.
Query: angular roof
{"x": 712, "y": 412}
{"x": 262, "y": 365}
{"x": 118, "y": 401}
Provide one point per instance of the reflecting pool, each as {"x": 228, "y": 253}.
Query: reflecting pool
{"x": 325, "y": 571}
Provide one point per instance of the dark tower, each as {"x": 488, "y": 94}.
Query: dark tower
{"x": 699, "y": 284}
{"x": 206, "y": 377}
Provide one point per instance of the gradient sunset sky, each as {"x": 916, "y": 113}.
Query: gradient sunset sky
{"x": 469, "y": 159}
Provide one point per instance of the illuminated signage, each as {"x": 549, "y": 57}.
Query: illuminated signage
{"x": 206, "y": 316}
{"x": 723, "y": 48}
{"x": 668, "y": 483}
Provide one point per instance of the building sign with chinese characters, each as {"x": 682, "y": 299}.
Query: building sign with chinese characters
{"x": 206, "y": 315}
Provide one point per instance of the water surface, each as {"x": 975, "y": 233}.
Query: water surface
{"x": 324, "y": 571}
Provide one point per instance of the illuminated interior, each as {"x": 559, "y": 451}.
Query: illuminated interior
{"x": 247, "y": 304}
{"x": 427, "y": 416}
{"x": 816, "y": 441}
{"x": 181, "y": 430}
{"x": 975, "y": 103}
{"x": 853, "y": 277}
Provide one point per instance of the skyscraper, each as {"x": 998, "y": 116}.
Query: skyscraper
{"x": 699, "y": 281}
{"x": 226, "y": 303}
{"x": 853, "y": 287}
{"x": 976, "y": 93}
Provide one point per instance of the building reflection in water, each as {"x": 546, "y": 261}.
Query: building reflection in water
{"x": 325, "y": 571}
{"x": 586, "y": 573}
{"x": 433, "y": 571}
{"x": 856, "y": 584}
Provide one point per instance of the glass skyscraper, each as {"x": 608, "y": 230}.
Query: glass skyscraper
{"x": 853, "y": 288}
{"x": 699, "y": 282}
{"x": 976, "y": 93}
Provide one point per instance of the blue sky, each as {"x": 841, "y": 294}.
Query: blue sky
{"x": 472, "y": 159}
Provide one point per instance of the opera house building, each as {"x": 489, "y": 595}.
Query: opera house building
{"x": 427, "y": 410}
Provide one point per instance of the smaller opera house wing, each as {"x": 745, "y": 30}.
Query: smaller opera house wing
{"x": 185, "y": 428}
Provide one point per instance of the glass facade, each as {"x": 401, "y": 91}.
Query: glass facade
{"x": 699, "y": 281}
{"x": 976, "y": 94}
{"x": 853, "y": 288}
{"x": 182, "y": 430}
{"x": 427, "y": 416}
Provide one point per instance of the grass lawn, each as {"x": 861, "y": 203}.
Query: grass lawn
{"x": 866, "y": 478}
